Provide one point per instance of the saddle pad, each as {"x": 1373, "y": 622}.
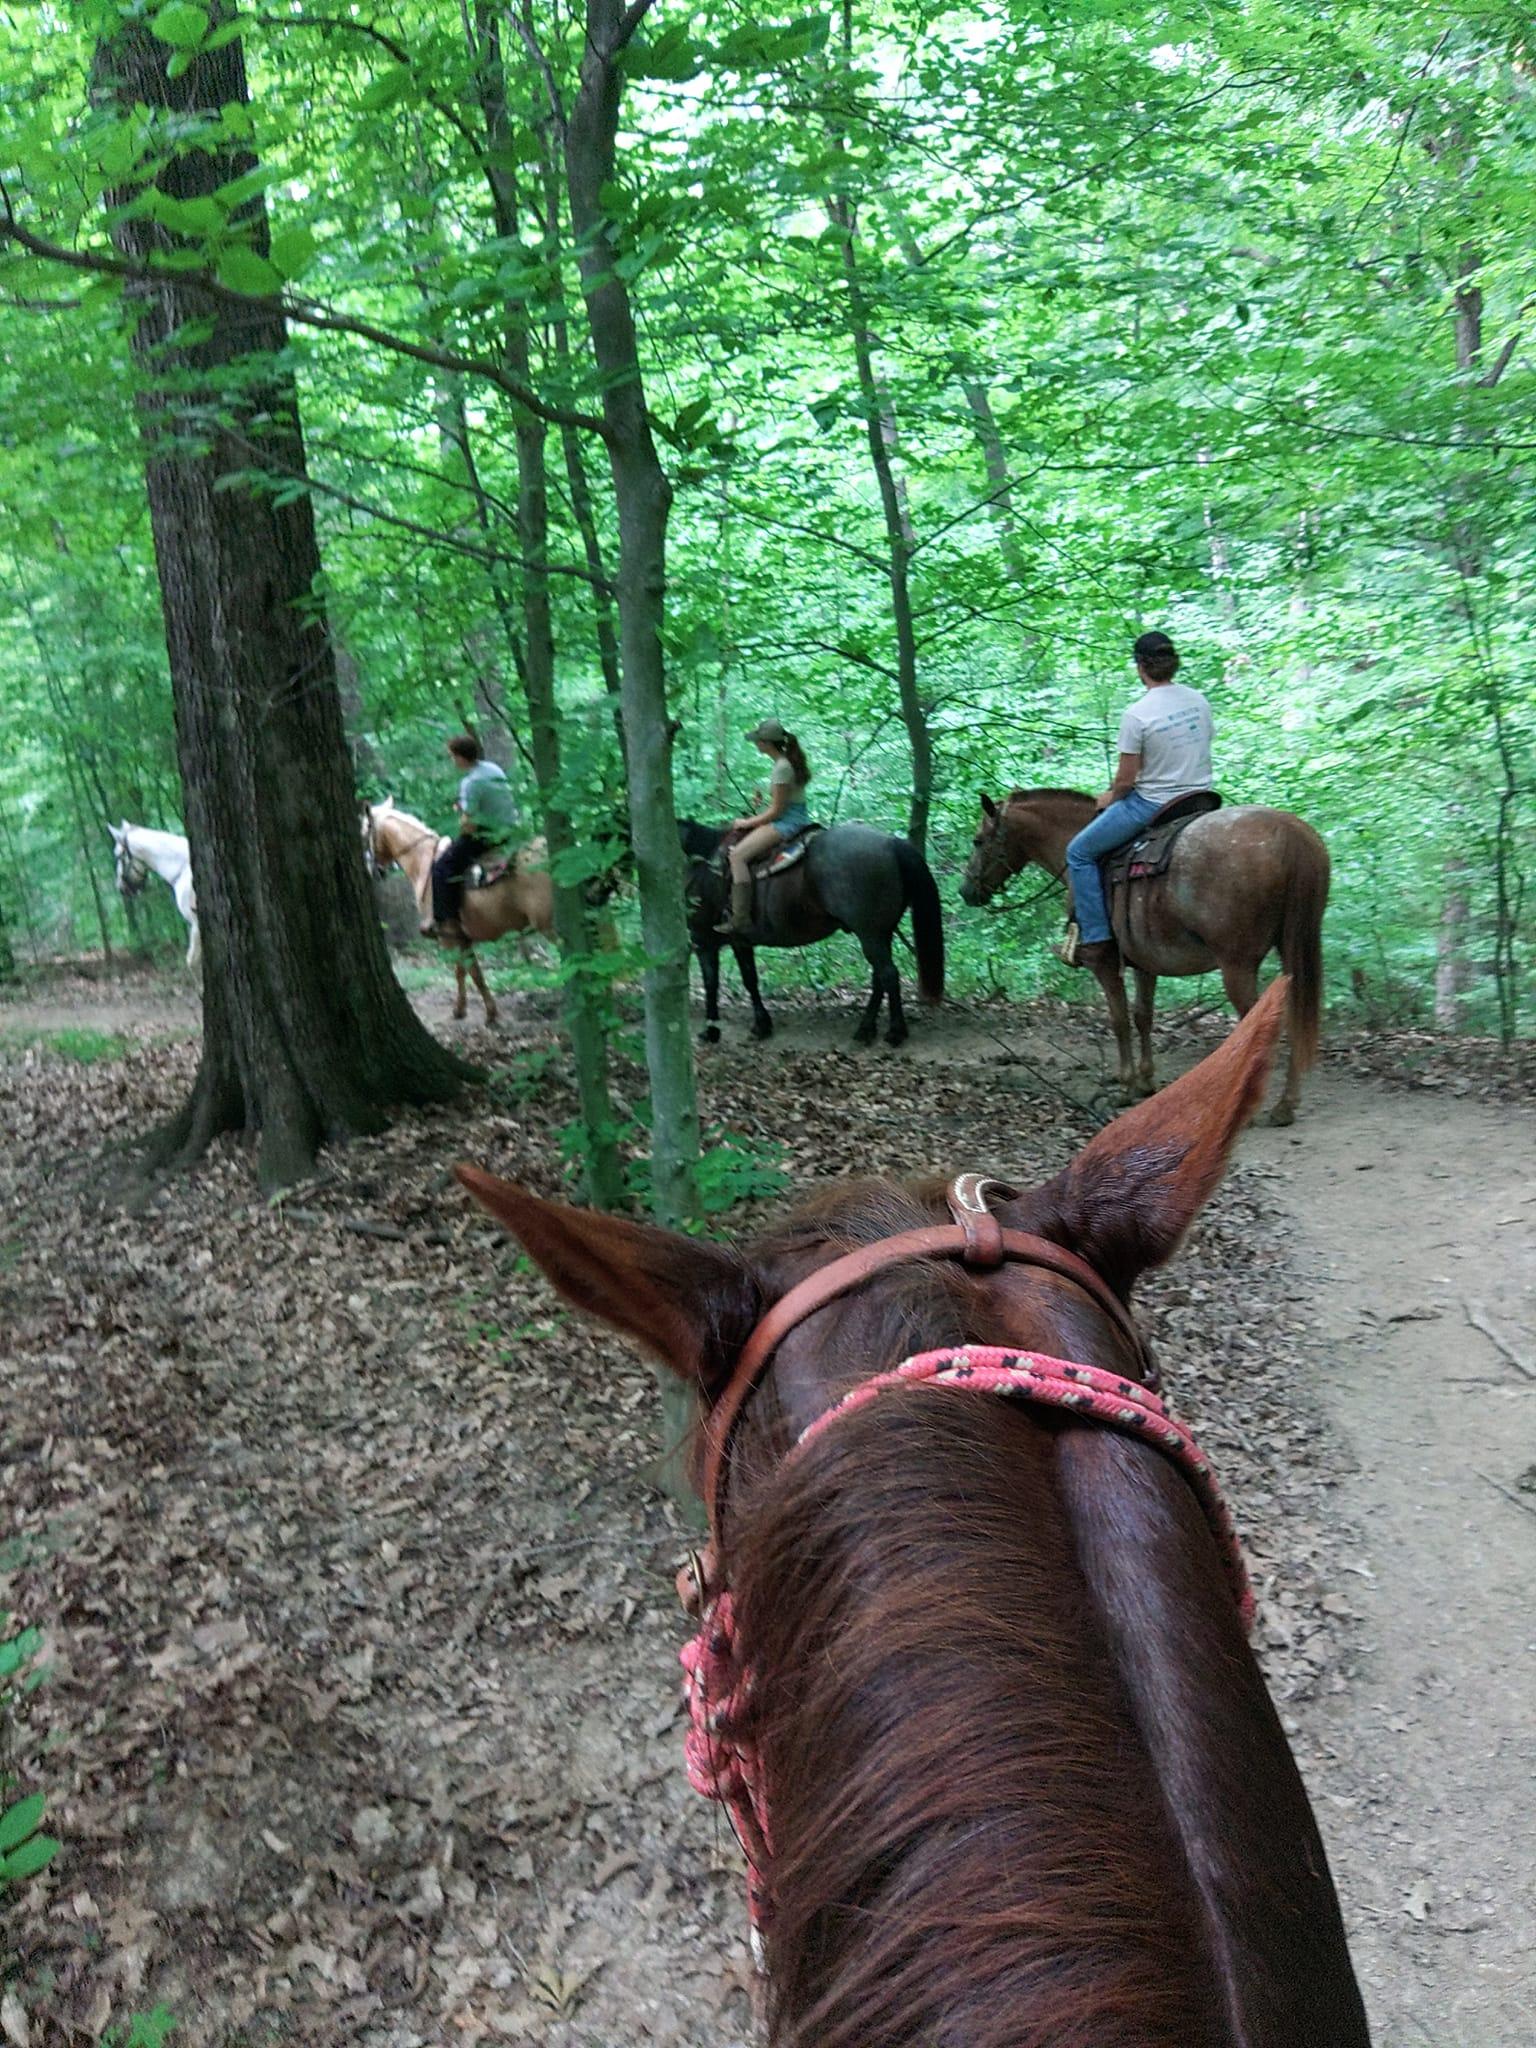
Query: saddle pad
{"x": 1149, "y": 853}
{"x": 786, "y": 854}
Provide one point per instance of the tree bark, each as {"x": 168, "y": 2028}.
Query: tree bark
{"x": 880, "y": 426}
{"x": 1450, "y": 944}
{"x": 643, "y": 498}
{"x": 583, "y": 989}
{"x": 306, "y": 1034}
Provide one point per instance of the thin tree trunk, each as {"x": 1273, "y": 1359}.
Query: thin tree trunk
{"x": 644, "y": 498}
{"x": 880, "y": 426}
{"x": 306, "y": 1034}
{"x": 578, "y": 483}
{"x": 1450, "y": 944}
{"x": 583, "y": 989}
{"x": 65, "y": 726}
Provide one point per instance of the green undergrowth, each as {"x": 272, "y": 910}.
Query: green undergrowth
{"x": 81, "y": 1044}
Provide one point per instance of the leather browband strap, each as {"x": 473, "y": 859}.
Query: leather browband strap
{"x": 963, "y": 1240}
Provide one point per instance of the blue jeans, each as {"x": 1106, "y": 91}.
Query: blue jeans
{"x": 1111, "y": 828}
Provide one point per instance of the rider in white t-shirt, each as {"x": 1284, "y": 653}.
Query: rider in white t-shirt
{"x": 1165, "y": 752}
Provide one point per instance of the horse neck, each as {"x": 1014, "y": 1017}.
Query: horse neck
{"x": 412, "y": 847}
{"x": 166, "y": 852}
{"x": 1042, "y": 829}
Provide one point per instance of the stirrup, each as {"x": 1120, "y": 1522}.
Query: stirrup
{"x": 1068, "y": 950}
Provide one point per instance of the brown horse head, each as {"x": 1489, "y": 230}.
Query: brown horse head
{"x": 1027, "y": 1790}
{"x": 1011, "y": 834}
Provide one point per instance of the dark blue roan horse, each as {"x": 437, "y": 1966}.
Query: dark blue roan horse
{"x": 850, "y": 879}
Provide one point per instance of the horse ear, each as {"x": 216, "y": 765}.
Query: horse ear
{"x": 1129, "y": 1196}
{"x": 691, "y": 1302}
{"x": 989, "y": 807}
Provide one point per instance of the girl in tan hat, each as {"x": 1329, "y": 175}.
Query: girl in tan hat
{"x": 785, "y": 816}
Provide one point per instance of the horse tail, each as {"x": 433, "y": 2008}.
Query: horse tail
{"x": 922, "y": 894}
{"x": 1301, "y": 943}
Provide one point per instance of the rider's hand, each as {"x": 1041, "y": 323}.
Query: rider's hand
{"x": 1103, "y": 800}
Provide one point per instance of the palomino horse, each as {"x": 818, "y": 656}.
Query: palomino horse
{"x": 522, "y": 900}
{"x": 850, "y": 879}
{"x": 1242, "y": 882}
{"x": 139, "y": 849}
{"x": 1016, "y": 1777}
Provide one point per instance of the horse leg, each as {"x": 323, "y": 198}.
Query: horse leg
{"x": 1111, "y": 981}
{"x": 896, "y": 1033}
{"x": 884, "y": 983}
{"x": 484, "y": 993}
{"x": 1146, "y": 990}
{"x": 746, "y": 967}
{"x": 709, "y": 967}
{"x": 459, "y": 1004}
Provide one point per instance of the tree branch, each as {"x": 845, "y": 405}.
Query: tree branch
{"x": 304, "y": 311}
{"x": 1492, "y": 377}
{"x": 631, "y": 19}
{"x": 491, "y": 556}
{"x": 398, "y": 51}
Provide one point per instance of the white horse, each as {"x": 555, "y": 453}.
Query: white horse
{"x": 138, "y": 849}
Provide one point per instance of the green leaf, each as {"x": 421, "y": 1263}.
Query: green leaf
{"x": 670, "y": 56}
{"x": 181, "y": 24}
{"x": 293, "y": 250}
{"x": 29, "y": 1859}
{"x": 242, "y": 270}
{"x": 187, "y": 216}
{"x": 20, "y": 1820}
{"x": 387, "y": 88}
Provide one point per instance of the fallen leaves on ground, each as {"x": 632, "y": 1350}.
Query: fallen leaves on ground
{"x": 361, "y": 1720}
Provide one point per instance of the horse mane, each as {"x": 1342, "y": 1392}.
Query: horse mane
{"x": 1078, "y": 796}
{"x": 921, "y": 1792}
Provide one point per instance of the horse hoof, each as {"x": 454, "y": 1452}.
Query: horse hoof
{"x": 710, "y": 1035}
{"x": 865, "y": 1035}
{"x": 459, "y": 1016}
{"x": 896, "y": 1037}
{"x": 1282, "y": 1115}
{"x": 491, "y": 1016}
{"x": 763, "y": 1028}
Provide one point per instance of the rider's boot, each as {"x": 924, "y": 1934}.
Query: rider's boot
{"x": 740, "y": 918}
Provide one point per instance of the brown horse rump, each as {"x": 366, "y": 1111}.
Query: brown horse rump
{"x": 1148, "y": 855}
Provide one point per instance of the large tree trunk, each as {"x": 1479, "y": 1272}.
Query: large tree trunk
{"x": 306, "y": 1034}
{"x": 644, "y": 498}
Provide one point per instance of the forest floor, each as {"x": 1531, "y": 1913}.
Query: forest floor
{"x": 361, "y": 1725}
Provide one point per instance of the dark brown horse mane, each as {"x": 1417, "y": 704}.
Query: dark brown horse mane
{"x": 891, "y": 1590}
{"x": 1078, "y": 796}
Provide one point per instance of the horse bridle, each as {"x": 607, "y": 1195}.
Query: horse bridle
{"x": 976, "y": 1237}
{"x": 132, "y": 873}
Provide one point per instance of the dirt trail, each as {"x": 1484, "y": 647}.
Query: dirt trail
{"x": 1407, "y": 1208}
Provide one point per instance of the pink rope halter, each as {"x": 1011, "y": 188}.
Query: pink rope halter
{"x": 722, "y": 1758}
